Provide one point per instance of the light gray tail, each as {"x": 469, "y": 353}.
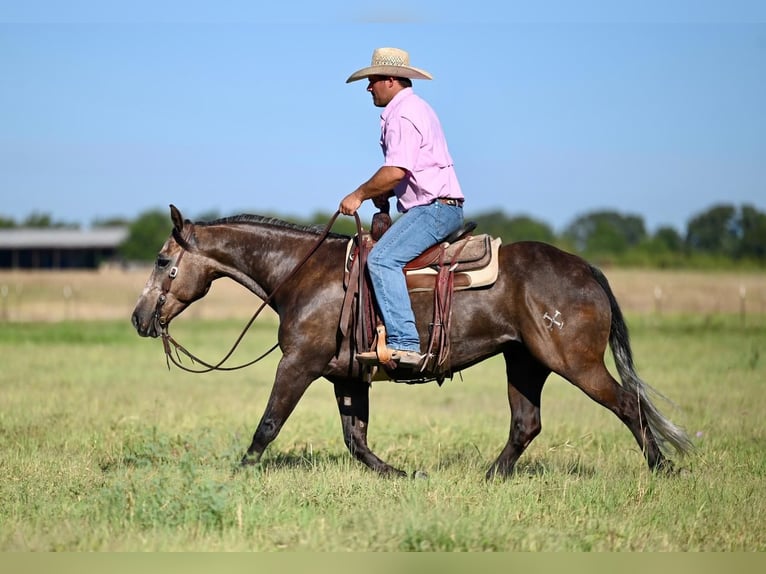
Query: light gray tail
{"x": 665, "y": 432}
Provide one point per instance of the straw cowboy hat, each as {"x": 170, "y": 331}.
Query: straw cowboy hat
{"x": 390, "y": 62}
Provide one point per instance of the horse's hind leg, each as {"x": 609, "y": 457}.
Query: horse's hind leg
{"x": 526, "y": 377}
{"x": 600, "y": 386}
{"x": 354, "y": 407}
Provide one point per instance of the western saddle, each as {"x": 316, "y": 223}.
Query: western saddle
{"x": 462, "y": 261}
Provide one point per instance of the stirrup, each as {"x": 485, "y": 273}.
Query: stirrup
{"x": 381, "y": 355}
{"x": 384, "y": 353}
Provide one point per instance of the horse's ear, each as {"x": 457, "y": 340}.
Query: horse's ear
{"x": 178, "y": 219}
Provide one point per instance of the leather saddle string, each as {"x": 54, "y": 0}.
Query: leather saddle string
{"x": 167, "y": 339}
{"x": 440, "y": 344}
{"x": 436, "y": 343}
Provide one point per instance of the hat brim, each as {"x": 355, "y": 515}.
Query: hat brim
{"x": 392, "y": 71}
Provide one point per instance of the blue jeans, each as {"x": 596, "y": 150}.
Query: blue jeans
{"x": 410, "y": 235}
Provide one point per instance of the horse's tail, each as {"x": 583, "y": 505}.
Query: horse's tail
{"x": 665, "y": 432}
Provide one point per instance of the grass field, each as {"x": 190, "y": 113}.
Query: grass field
{"x": 102, "y": 448}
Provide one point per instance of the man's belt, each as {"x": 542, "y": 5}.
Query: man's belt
{"x": 450, "y": 201}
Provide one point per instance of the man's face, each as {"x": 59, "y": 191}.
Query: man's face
{"x": 383, "y": 89}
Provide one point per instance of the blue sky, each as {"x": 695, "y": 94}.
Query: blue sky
{"x": 551, "y": 111}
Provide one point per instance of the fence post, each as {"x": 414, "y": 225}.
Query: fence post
{"x": 658, "y": 300}
{"x": 4, "y": 297}
{"x": 742, "y": 311}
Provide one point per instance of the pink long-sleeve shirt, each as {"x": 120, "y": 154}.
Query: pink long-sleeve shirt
{"x": 411, "y": 137}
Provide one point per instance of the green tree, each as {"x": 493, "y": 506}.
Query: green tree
{"x": 524, "y": 228}
{"x": 111, "y": 222}
{"x": 752, "y": 227}
{"x": 7, "y": 222}
{"x": 510, "y": 229}
{"x": 146, "y": 235}
{"x": 664, "y": 249}
{"x": 343, "y": 225}
{"x": 605, "y": 238}
{"x": 713, "y": 231}
{"x": 38, "y": 219}
{"x": 45, "y": 220}
{"x": 605, "y": 233}
{"x": 668, "y": 239}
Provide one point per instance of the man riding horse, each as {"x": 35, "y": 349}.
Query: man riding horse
{"x": 545, "y": 310}
{"x": 418, "y": 170}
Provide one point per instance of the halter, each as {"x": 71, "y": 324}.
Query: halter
{"x": 168, "y": 340}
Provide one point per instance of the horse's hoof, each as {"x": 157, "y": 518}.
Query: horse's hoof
{"x": 665, "y": 468}
{"x": 391, "y": 472}
{"x": 497, "y": 473}
{"x": 668, "y": 469}
{"x": 249, "y": 461}
{"x": 420, "y": 474}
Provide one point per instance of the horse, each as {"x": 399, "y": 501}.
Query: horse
{"x": 549, "y": 311}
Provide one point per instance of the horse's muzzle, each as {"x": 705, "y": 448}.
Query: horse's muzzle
{"x": 146, "y": 328}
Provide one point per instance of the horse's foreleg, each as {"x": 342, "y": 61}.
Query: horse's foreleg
{"x": 526, "y": 378}
{"x": 290, "y": 383}
{"x": 354, "y": 407}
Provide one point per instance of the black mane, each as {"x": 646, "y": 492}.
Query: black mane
{"x": 249, "y": 219}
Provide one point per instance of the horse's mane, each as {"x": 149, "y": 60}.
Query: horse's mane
{"x": 249, "y": 219}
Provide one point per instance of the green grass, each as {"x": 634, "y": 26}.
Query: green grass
{"x": 102, "y": 448}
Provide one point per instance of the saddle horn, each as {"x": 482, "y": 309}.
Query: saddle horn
{"x": 381, "y": 221}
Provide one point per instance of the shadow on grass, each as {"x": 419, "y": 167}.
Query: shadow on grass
{"x": 301, "y": 460}
{"x": 469, "y": 458}
{"x": 150, "y": 449}
{"x": 539, "y": 468}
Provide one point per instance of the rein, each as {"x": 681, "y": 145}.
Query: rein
{"x": 168, "y": 340}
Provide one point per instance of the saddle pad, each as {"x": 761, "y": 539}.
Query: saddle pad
{"x": 476, "y": 264}
{"x": 425, "y": 279}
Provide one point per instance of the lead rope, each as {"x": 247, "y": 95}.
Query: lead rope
{"x": 168, "y": 340}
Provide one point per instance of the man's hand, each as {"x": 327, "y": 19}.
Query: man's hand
{"x": 350, "y": 203}
{"x": 378, "y": 188}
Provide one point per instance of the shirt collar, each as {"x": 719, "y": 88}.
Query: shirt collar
{"x": 395, "y": 101}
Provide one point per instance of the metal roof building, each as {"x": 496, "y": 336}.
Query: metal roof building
{"x": 56, "y": 248}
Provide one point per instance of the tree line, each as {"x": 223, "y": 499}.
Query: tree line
{"x": 721, "y": 236}
{"x": 724, "y": 235}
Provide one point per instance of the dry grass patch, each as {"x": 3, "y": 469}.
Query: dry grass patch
{"x": 112, "y": 293}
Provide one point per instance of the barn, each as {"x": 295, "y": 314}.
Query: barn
{"x": 59, "y": 248}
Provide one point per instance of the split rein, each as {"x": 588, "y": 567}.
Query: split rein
{"x": 168, "y": 341}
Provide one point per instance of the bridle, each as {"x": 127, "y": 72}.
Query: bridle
{"x": 167, "y": 338}
{"x": 168, "y": 280}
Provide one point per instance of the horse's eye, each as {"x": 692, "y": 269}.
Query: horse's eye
{"x": 162, "y": 262}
